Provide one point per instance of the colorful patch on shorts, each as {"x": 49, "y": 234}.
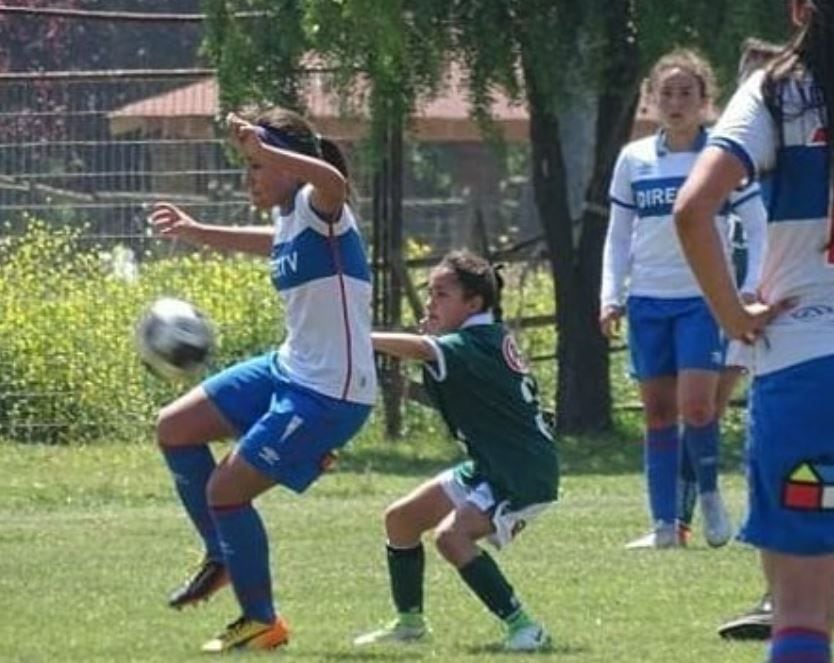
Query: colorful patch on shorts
{"x": 809, "y": 487}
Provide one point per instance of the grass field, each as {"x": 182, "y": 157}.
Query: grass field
{"x": 92, "y": 541}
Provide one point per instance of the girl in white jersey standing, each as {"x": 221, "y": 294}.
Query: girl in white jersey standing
{"x": 779, "y": 123}
{"x": 288, "y": 409}
{"x": 676, "y": 347}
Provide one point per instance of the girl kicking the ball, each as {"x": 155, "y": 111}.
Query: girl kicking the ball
{"x": 475, "y": 376}
{"x": 289, "y": 409}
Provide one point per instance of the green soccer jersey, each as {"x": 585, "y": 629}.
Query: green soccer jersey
{"x": 489, "y": 401}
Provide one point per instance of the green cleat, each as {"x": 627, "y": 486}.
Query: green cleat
{"x": 529, "y": 637}
{"x": 405, "y": 628}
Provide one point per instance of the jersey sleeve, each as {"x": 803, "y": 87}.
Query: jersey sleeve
{"x": 309, "y": 217}
{"x": 616, "y": 256}
{"x": 445, "y": 355}
{"x": 620, "y": 192}
{"x": 746, "y": 129}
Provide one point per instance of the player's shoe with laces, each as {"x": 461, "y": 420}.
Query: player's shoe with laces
{"x": 664, "y": 535}
{"x": 755, "y": 624}
{"x": 718, "y": 530}
{"x": 246, "y": 633}
{"x": 405, "y": 628}
{"x": 209, "y": 577}
{"x": 529, "y": 637}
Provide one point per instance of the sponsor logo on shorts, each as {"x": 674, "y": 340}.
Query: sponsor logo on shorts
{"x": 809, "y": 487}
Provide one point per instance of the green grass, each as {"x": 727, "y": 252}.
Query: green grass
{"x": 93, "y": 540}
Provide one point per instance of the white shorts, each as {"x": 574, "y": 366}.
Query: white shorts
{"x": 507, "y": 523}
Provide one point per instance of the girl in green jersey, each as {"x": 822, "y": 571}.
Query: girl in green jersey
{"x": 475, "y": 376}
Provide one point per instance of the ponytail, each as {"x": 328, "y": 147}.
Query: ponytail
{"x": 331, "y": 153}
{"x": 497, "y": 309}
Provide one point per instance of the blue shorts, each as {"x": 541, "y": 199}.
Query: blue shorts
{"x": 790, "y": 459}
{"x": 287, "y": 432}
{"x": 666, "y": 336}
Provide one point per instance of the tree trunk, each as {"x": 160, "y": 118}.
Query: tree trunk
{"x": 583, "y": 390}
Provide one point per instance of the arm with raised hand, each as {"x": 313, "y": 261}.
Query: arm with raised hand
{"x": 330, "y": 188}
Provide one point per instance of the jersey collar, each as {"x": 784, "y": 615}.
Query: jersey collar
{"x": 483, "y": 318}
{"x": 697, "y": 145}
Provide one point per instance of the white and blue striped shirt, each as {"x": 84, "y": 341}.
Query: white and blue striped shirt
{"x": 321, "y": 272}
{"x": 642, "y": 251}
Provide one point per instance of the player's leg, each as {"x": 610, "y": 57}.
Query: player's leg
{"x": 687, "y": 496}
{"x": 405, "y": 521}
{"x": 802, "y": 592}
{"x": 456, "y": 538}
{"x": 216, "y": 409}
{"x": 790, "y": 515}
{"x": 651, "y": 343}
{"x": 290, "y": 445}
{"x": 700, "y": 358}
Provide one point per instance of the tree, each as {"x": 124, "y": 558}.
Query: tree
{"x": 570, "y": 62}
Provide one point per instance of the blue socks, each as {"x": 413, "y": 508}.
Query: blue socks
{"x": 792, "y": 645}
{"x": 191, "y": 467}
{"x": 246, "y": 553}
{"x": 702, "y": 444}
{"x": 661, "y": 457}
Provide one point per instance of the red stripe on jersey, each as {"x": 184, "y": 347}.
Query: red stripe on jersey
{"x": 343, "y": 295}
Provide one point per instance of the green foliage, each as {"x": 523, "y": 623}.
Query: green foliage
{"x": 69, "y": 369}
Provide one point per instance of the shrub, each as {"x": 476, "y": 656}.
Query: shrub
{"x": 69, "y": 369}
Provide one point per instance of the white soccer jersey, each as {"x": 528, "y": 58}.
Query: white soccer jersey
{"x": 642, "y": 251}
{"x": 321, "y": 272}
{"x": 797, "y": 262}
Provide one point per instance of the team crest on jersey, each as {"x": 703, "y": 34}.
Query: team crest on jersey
{"x": 809, "y": 487}
{"x": 513, "y": 356}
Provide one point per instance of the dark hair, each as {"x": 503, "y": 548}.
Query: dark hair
{"x": 298, "y": 135}
{"x": 756, "y": 53}
{"x": 810, "y": 51}
{"x": 691, "y": 62}
{"x": 477, "y": 277}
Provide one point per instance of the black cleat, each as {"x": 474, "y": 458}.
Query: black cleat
{"x": 753, "y": 625}
{"x": 207, "y": 579}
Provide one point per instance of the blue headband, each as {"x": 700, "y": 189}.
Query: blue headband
{"x": 287, "y": 141}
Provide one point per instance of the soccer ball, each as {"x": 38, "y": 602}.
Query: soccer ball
{"x": 173, "y": 338}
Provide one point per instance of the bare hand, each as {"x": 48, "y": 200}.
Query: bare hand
{"x": 243, "y": 134}
{"x": 609, "y": 321}
{"x": 171, "y": 222}
{"x": 757, "y": 316}
{"x": 749, "y": 298}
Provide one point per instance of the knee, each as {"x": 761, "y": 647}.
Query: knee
{"x": 400, "y": 526}
{"x": 165, "y": 430}
{"x": 698, "y": 412}
{"x": 659, "y": 415}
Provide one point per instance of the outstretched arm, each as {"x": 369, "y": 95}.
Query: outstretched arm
{"x": 172, "y": 222}
{"x": 403, "y": 345}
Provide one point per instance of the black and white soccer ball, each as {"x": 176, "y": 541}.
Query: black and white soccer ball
{"x": 174, "y": 338}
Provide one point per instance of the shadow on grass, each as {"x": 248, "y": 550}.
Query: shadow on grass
{"x": 396, "y": 458}
{"x": 615, "y": 452}
{"x": 498, "y": 648}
